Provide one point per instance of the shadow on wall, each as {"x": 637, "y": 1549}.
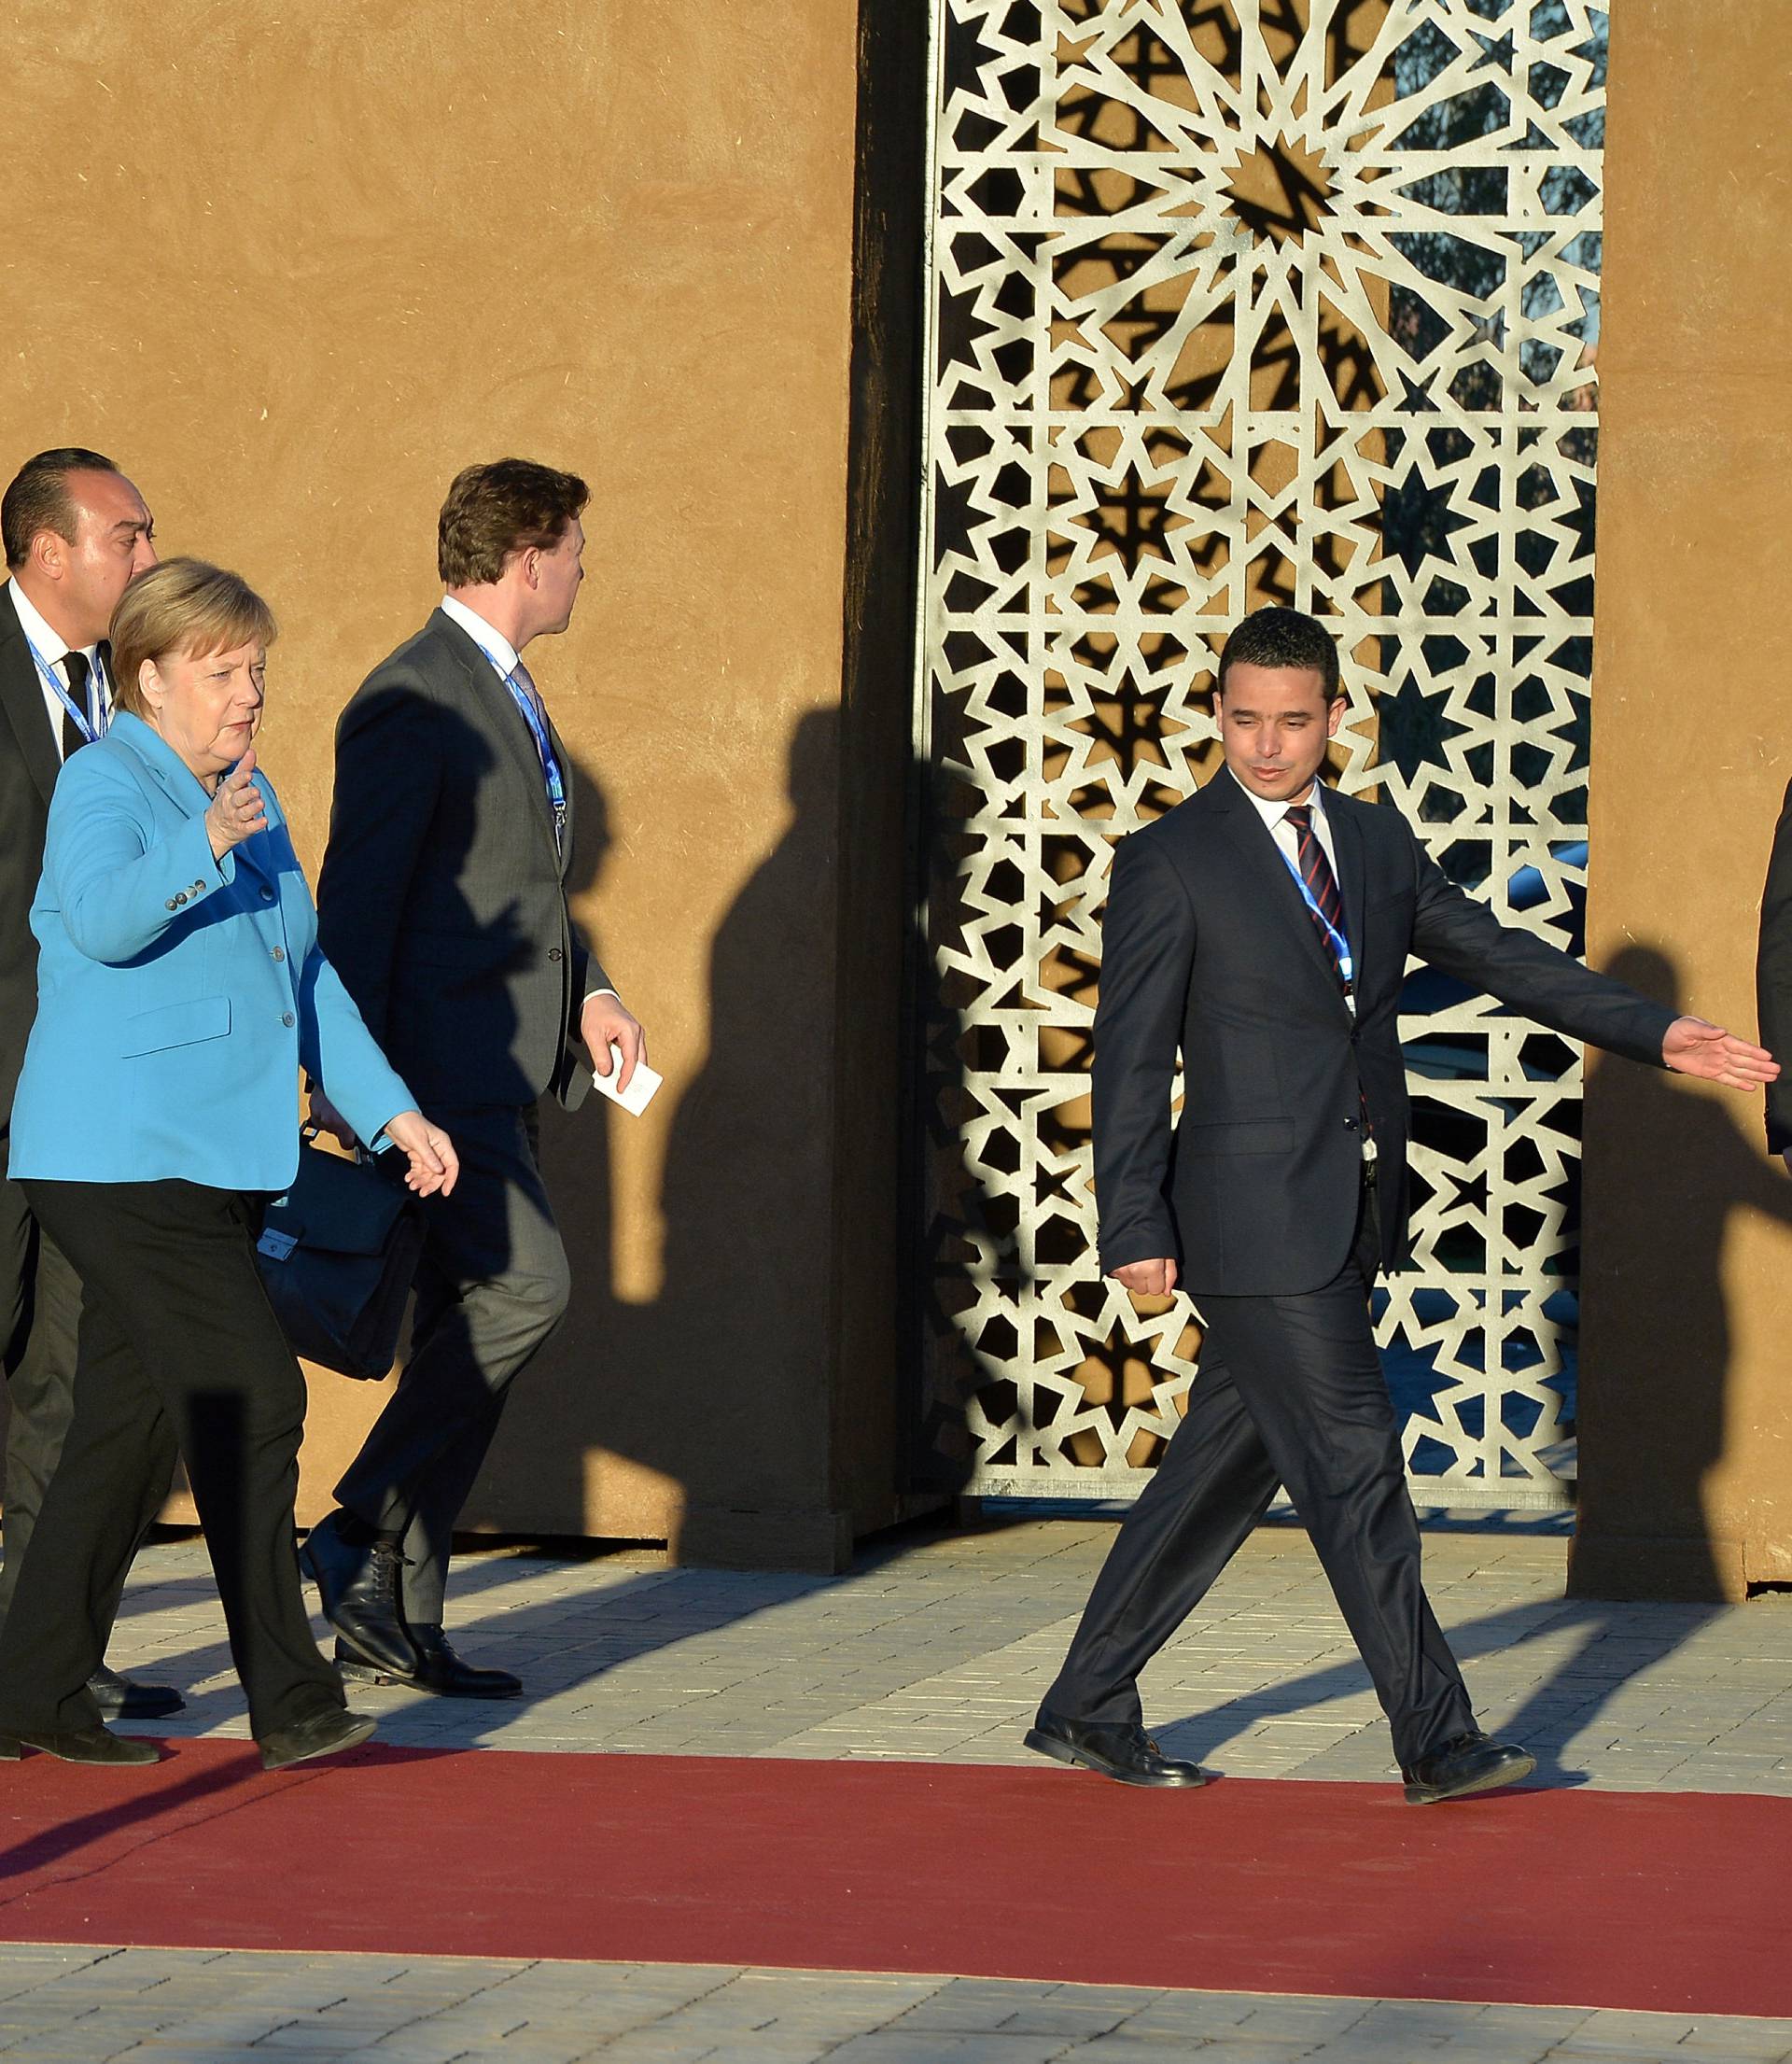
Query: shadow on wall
{"x": 715, "y": 1393}
{"x": 1637, "y": 1343}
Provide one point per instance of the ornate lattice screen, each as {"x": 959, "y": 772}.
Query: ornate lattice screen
{"x": 1233, "y": 303}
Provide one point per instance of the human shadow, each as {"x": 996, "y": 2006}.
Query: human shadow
{"x": 1613, "y": 1645}
{"x": 1656, "y": 1325}
{"x": 695, "y": 1401}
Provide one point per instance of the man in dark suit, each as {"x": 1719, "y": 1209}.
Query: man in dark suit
{"x": 76, "y": 532}
{"x": 1262, "y": 929}
{"x": 443, "y": 904}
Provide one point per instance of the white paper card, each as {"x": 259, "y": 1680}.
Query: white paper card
{"x": 642, "y": 1084}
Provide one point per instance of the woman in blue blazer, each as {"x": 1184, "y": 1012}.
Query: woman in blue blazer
{"x": 180, "y": 990}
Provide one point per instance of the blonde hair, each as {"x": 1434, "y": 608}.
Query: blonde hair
{"x": 183, "y": 607}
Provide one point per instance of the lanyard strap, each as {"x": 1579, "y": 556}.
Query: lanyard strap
{"x": 83, "y": 723}
{"x": 543, "y": 745}
{"x": 1340, "y": 946}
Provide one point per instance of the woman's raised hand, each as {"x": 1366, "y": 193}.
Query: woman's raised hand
{"x": 434, "y": 1163}
{"x": 238, "y": 810}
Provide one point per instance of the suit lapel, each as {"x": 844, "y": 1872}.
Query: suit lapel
{"x": 1271, "y": 885}
{"x": 506, "y": 719}
{"x": 566, "y": 776}
{"x": 1347, "y": 840}
{"x": 22, "y": 695}
{"x": 162, "y": 763}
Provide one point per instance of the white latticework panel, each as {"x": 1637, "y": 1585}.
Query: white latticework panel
{"x": 1234, "y": 303}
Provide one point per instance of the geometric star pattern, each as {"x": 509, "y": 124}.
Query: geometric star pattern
{"x": 1233, "y": 301}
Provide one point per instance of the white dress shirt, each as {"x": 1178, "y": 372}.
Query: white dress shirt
{"x": 55, "y": 654}
{"x": 1275, "y": 815}
{"x": 493, "y": 643}
{"x": 506, "y": 658}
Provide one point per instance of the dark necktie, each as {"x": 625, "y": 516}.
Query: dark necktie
{"x": 74, "y": 737}
{"x": 1327, "y": 913}
{"x": 1327, "y": 906}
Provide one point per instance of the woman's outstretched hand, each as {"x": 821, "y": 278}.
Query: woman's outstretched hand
{"x": 434, "y": 1163}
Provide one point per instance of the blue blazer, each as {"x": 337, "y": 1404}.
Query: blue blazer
{"x": 178, "y": 995}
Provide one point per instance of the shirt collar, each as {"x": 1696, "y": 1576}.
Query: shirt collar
{"x": 1273, "y": 813}
{"x": 493, "y": 643}
{"x": 48, "y": 645}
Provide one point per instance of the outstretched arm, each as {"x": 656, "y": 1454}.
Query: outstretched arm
{"x": 1464, "y": 938}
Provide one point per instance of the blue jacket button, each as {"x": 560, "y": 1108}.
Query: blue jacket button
{"x": 171, "y": 904}
{"x": 286, "y": 1021}
{"x": 279, "y": 952}
{"x": 267, "y": 894}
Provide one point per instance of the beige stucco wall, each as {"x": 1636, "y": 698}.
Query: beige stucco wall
{"x": 292, "y": 268}
{"x": 1687, "y": 1343}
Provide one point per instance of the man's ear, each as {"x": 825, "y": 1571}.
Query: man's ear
{"x": 1334, "y": 716}
{"x": 49, "y": 552}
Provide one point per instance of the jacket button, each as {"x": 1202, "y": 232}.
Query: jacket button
{"x": 267, "y": 894}
{"x": 554, "y": 953}
{"x": 171, "y": 904}
{"x": 286, "y": 1020}
{"x": 179, "y": 901}
{"x": 279, "y": 952}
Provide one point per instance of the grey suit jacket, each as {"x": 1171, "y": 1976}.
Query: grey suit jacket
{"x": 443, "y": 901}
{"x": 1208, "y": 951}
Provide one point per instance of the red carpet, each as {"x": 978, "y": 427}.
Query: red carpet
{"x": 1674, "y": 1901}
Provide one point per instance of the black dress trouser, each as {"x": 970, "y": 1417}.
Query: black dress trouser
{"x": 179, "y": 1351}
{"x": 1291, "y": 1392}
{"x": 40, "y": 1309}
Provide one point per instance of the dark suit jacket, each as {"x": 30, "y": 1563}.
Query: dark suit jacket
{"x": 29, "y": 764}
{"x": 443, "y": 901}
{"x": 1774, "y": 977}
{"x": 1208, "y": 948}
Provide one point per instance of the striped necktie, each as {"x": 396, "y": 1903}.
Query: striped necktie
{"x": 1327, "y": 908}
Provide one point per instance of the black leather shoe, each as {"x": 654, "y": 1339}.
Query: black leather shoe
{"x": 359, "y": 1587}
{"x": 1127, "y": 1754}
{"x": 326, "y": 1734}
{"x": 83, "y": 1745}
{"x": 438, "y": 1669}
{"x": 1464, "y": 1766}
{"x": 119, "y": 1698}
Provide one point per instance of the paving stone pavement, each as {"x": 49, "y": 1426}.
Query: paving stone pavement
{"x": 940, "y": 1645}
{"x": 936, "y": 1645}
{"x": 90, "y": 2006}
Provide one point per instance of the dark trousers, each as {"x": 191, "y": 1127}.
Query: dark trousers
{"x": 492, "y": 1287}
{"x": 1291, "y": 1392}
{"x": 179, "y": 1351}
{"x": 40, "y": 1309}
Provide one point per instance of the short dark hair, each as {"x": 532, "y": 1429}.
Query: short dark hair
{"x": 1283, "y": 638}
{"x": 494, "y": 511}
{"x": 38, "y": 499}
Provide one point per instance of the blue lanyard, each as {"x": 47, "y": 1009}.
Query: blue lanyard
{"x": 543, "y": 745}
{"x": 1340, "y": 944}
{"x": 83, "y": 723}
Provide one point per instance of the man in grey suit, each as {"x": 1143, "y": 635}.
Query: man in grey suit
{"x": 443, "y": 904}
